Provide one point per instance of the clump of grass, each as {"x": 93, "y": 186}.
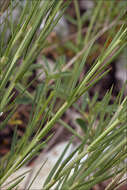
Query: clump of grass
{"x": 104, "y": 145}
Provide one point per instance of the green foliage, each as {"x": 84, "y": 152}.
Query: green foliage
{"x": 103, "y": 145}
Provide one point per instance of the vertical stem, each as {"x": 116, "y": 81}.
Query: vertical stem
{"x": 93, "y": 20}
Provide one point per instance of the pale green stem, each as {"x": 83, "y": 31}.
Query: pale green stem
{"x": 91, "y": 147}
{"x": 16, "y": 57}
{"x": 92, "y": 21}
{"x": 36, "y": 140}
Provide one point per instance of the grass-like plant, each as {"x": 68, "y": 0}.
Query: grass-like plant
{"x": 103, "y": 145}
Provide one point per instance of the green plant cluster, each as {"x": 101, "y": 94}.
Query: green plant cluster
{"x": 104, "y": 125}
